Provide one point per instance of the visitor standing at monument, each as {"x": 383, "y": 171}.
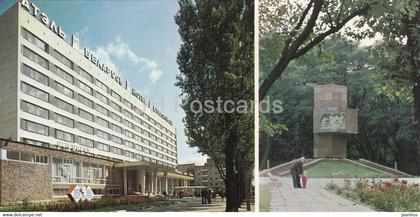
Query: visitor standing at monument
{"x": 297, "y": 171}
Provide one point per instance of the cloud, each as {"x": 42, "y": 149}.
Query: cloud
{"x": 120, "y": 50}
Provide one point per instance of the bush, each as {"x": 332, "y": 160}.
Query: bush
{"x": 393, "y": 196}
{"x": 105, "y": 201}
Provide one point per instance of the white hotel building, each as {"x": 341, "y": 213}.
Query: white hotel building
{"x": 91, "y": 126}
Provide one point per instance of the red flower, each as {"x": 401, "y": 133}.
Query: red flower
{"x": 403, "y": 188}
{"x": 387, "y": 184}
{"x": 403, "y": 182}
{"x": 382, "y": 189}
{"x": 415, "y": 185}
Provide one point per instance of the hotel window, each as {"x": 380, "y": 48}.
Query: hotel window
{"x": 115, "y": 106}
{"x": 86, "y": 142}
{"x": 35, "y": 92}
{"x": 86, "y": 115}
{"x": 138, "y": 111}
{"x": 128, "y": 123}
{"x": 64, "y": 136}
{"x": 116, "y": 128}
{"x": 128, "y": 114}
{"x": 117, "y": 150}
{"x": 64, "y": 105}
{"x": 102, "y": 147}
{"x": 129, "y": 154}
{"x": 40, "y": 159}
{"x": 60, "y": 57}
{"x": 85, "y": 74}
{"x": 64, "y": 90}
{"x": 64, "y": 120}
{"x": 102, "y": 109}
{"x": 102, "y": 134}
{"x": 128, "y": 144}
{"x": 101, "y": 97}
{"x": 63, "y": 74}
{"x": 102, "y": 122}
{"x": 35, "y": 57}
{"x": 116, "y": 139}
{"x": 34, "y": 109}
{"x": 85, "y": 101}
{"x": 115, "y": 95}
{"x": 85, "y": 128}
{"x": 85, "y": 88}
{"x": 32, "y": 73}
{"x": 139, "y": 157}
{"x": 128, "y": 134}
{"x": 101, "y": 85}
{"x": 34, "y": 142}
{"x": 138, "y": 147}
{"x": 34, "y": 127}
{"x": 34, "y": 40}
{"x": 116, "y": 117}
{"x": 127, "y": 103}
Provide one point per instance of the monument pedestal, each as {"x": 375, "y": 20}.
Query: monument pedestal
{"x": 333, "y": 121}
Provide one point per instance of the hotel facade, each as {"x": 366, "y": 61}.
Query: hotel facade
{"x": 67, "y": 119}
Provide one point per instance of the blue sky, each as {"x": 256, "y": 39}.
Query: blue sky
{"x": 139, "y": 38}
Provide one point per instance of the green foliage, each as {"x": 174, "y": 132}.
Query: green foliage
{"x": 341, "y": 169}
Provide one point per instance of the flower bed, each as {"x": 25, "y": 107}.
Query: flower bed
{"x": 394, "y": 195}
{"x": 106, "y": 201}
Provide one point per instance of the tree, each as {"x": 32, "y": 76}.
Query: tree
{"x": 398, "y": 22}
{"x": 216, "y": 64}
{"x": 302, "y": 26}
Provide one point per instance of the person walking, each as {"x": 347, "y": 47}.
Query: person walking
{"x": 209, "y": 196}
{"x": 297, "y": 172}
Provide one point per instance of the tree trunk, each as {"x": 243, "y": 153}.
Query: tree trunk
{"x": 230, "y": 181}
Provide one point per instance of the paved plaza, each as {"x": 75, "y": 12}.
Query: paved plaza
{"x": 312, "y": 199}
{"x": 191, "y": 205}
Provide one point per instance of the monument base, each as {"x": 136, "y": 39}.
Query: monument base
{"x": 327, "y": 145}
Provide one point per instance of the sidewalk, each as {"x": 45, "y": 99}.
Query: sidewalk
{"x": 312, "y": 199}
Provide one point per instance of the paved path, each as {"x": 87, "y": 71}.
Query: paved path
{"x": 312, "y": 199}
{"x": 192, "y": 205}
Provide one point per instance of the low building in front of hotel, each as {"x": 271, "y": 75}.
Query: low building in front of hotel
{"x": 68, "y": 119}
{"x": 206, "y": 175}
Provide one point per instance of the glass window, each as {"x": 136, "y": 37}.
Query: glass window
{"x": 116, "y": 128}
{"x": 41, "y": 159}
{"x": 63, "y": 74}
{"x": 26, "y": 157}
{"x": 64, "y": 136}
{"x": 117, "y": 150}
{"x": 101, "y": 97}
{"x": 101, "y": 85}
{"x": 127, "y": 103}
{"x": 128, "y": 144}
{"x": 85, "y": 128}
{"x": 34, "y": 74}
{"x": 86, "y": 115}
{"x": 60, "y": 57}
{"x": 33, "y": 39}
{"x": 101, "y": 109}
{"x": 34, "y": 127}
{"x": 103, "y": 147}
{"x": 116, "y": 117}
{"x": 86, "y": 142}
{"x": 35, "y": 92}
{"x": 85, "y": 75}
{"x": 33, "y": 142}
{"x": 33, "y": 109}
{"x": 128, "y": 123}
{"x": 128, "y": 133}
{"x": 115, "y": 106}
{"x": 64, "y": 120}
{"x": 128, "y": 114}
{"x": 115, "y": 95}
{"x": 64, "y": 90}
{"x": 129, "y": 154}
{"x": 102, "y": 122}
{"x": 13, "y": 155}
{"x": 85, "y": 88}
{"x": 116, "y": 139}
{"x": 35, "y": 57}
{"x": 102, "y": 134}
{"x": 85, "y": 101}
{"x": 64, "y": 105}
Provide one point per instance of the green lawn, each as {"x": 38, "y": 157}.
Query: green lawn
{"x": 341, "y": 169}
{"x": 265, "y": 197}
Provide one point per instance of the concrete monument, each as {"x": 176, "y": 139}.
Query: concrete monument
{"x": 333, "y": 121}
